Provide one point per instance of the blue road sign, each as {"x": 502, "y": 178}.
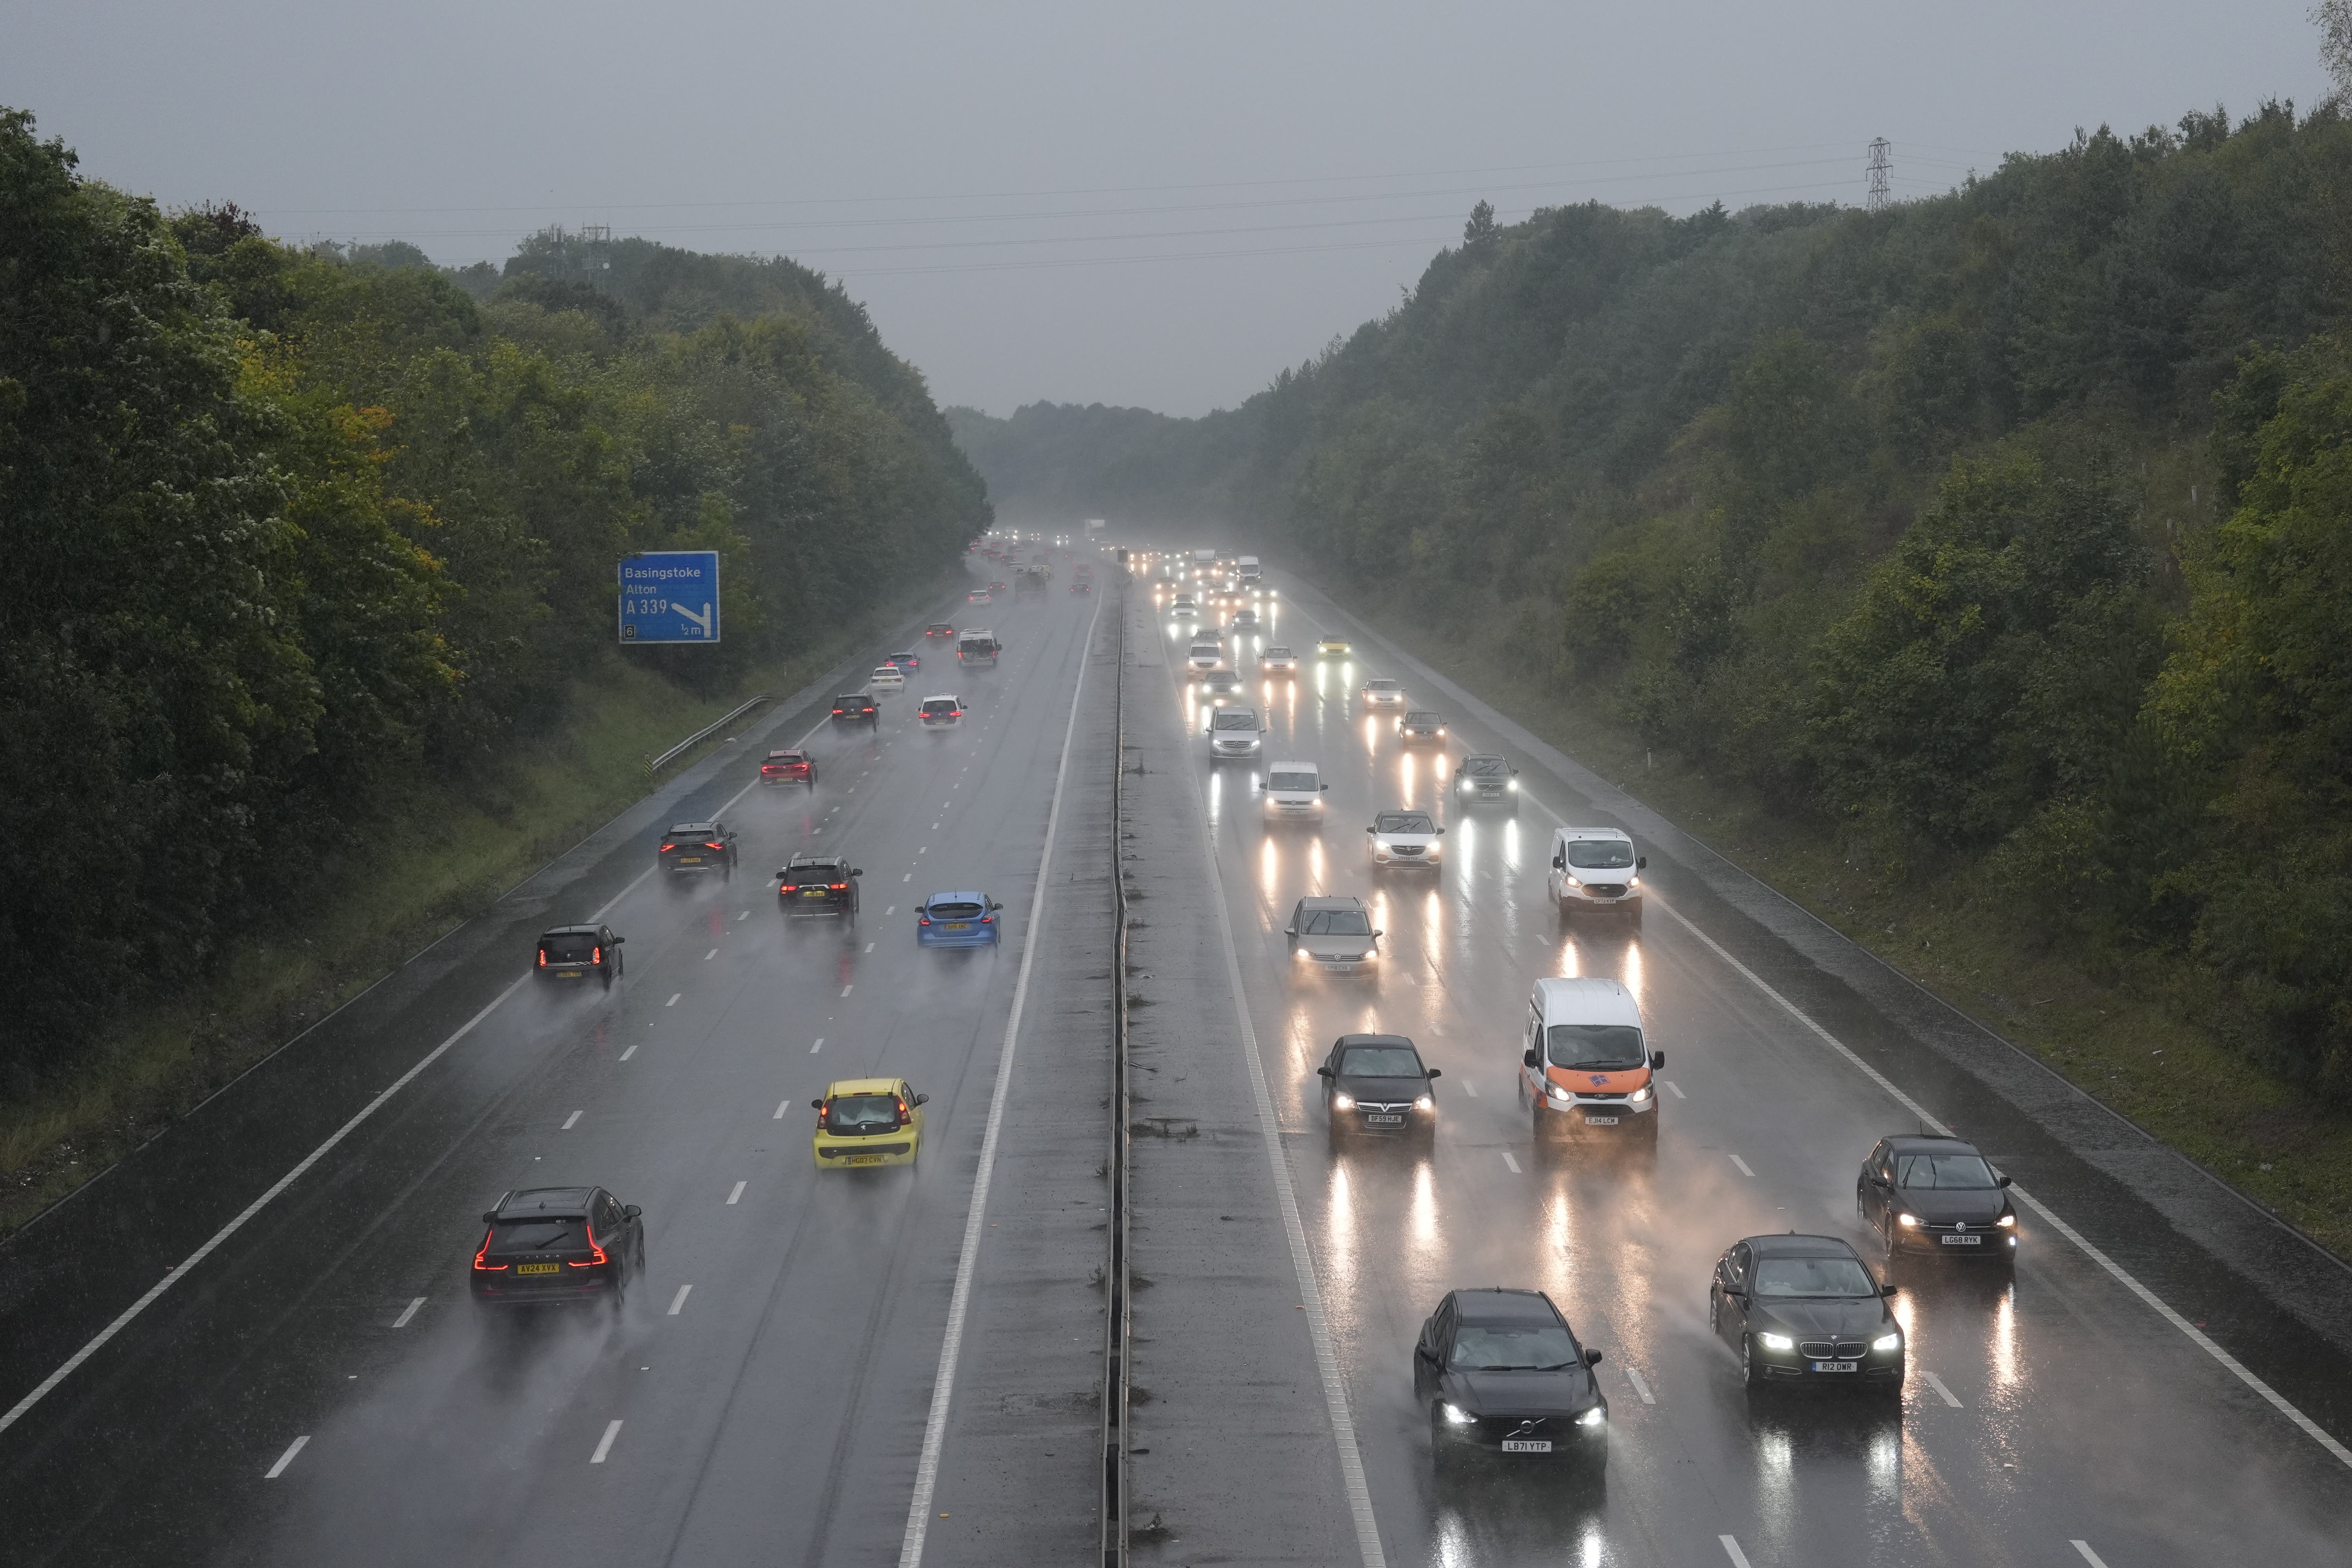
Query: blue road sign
{"x": 670, "y": 595}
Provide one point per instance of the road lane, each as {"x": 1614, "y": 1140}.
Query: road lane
{"x": 776, "y": 1411}
{"x": 2081, "y": 1414}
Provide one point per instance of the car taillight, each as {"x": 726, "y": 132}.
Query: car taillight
{"x": 595, "y": 955}
{"x": 985, "y": 919}
{"x": 822, "y": 1112}
{"x": 924, "y": 919}
{"x": 902, "y": 1113}
{"x": 482, "y": 1259}
{"x": 667, "y": 847}
{"x": 589, "y": 1231}
{"x": 838, "y": 887}
{"x": 542, "y": 958}
{"x": 714, "y": 847}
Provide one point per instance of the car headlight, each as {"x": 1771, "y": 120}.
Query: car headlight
{"x": 1632, "y": 881}
{"x": 1907, "y": 1221}
{"x": 1884, "y": 1344}
{"x": 1559, "y": 1094}
{"x": 2007, "y": 1219}
{"x": 1776, "y": 1341}
{"x": 1343, "y": 1102}
{"x": 1572, "y": 882}
{"x": 1513, "y": 786}
{"x": 1593, "y": 1417}
{"x": 1424, "y": 1103}
{"x": 1456, "y": 1414}
{"x": 1301, "y": 954}
{"x": 1639, "y": 1095}
{"x": 1380, "y": 845}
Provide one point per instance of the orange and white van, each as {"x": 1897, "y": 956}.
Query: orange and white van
{"x": 1585, "y": 1059}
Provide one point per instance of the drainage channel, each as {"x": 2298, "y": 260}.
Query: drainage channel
{"x": 1116, "y": 1164}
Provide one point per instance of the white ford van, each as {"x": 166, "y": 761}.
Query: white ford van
{"x": 1293, "y": 790}
{"x": 1585, "y": 1058}
{"x": 1594, "y": 869}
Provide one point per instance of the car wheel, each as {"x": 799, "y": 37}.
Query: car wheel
{"x": 1750, "y": 1372}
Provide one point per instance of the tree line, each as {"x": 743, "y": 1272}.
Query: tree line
{"x": 290, "y": 529}
{"x": 2009, "y": 530}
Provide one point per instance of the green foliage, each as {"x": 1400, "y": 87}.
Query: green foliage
{"x": 291, "y": 527}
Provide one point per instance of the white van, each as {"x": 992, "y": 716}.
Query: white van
{"x": 1585, "y": 1058}
{"x": 1293, "y": 790}
{"x": 1594, "y": 869}
{"x": 1203, "y": 656}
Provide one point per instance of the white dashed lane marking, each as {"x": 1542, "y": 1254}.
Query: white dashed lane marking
{"x": 1513, "y": 1164}
{"x": 869, "y": 947}
{"x": 848, "y": 988}
{"x": 818, "y": 1046}
{"x": 1739, "y": 1558}
{"x": 413, "y": 1308}
{"x": 1936, "y": 1383}
{"x": 287, "y": 1457}
{"x": 673, "y": 1001}
{"x": 1742, "y": 1165}
{"x": 737, "y": 1195}
{"x": 572, "y": 1120}
{"x": 707, "y": 958}
{"x": 1677, "y": 1093}
{"x": 678, "y": 1302}
{"x": 781, "y": 1106}
{"x": 628, "y": 1053}
{"x": 604, "y": 1447}
{"x": 1640, "y": 1387}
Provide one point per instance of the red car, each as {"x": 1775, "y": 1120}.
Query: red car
{"x": 788, "y": 767}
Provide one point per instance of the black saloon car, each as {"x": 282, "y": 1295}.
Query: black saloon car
{"x": 1422, "y": 728}
{"x": 692, "y": 847}
{"x": 1377, "y": 1083}
{"x": 1925, "y": 1194}
{"x": 1487, "y": 781}
{"x": 558, "y": 1245}
{"x": 576, "y": 952}
{"x": 819, "y": 885}
{"x": 1805, "y": 1310}
{"x": 857, "y": 708}
{"x": 1500, "y": 1371}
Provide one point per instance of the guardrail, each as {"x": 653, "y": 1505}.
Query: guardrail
{"x": 656, "y": 764}
{"x": 1115, "y": 1267}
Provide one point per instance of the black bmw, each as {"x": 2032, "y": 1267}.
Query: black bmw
{"x": 1805, "y": 1310}
{"x": 1500, "y": 1371}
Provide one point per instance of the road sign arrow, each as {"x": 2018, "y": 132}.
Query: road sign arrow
{"x": 702, "y": 620}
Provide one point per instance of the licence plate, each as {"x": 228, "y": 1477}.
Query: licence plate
{"x": 1964, "y": 1241}
{"x": 865, "y": 1160}
{"x": 1382, "y": 1120}
{"x": 568, "y": 974}
{"x": 958, "y": 925}
{"x": 814, "y": 892}
{"x": 1343, "y": 968}
{"x": 1602, "y": 1120}
{"x": 689, "y": 860}
{"x": 1836, "y": 1366}
{"x": 1526, "y": 1445}
{"x": 539, "y": 1269}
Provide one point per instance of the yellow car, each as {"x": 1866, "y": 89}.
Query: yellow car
{"x": 1333, "y": 647}
{"x": 868, "y": 1121}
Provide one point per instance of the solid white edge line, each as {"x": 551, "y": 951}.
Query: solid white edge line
{"x": 678, "y": 1302}
{"x": 1319, "y": 1326}
{"x": 2195, "y": 1335}
{"x": 604, "y": 1444}
{"x": 181, "y": 1270}
{"x": 412, "y": 1309}
{"x": 1936, "y": 1383}
{"x": 1739, "y": 1558}
{"x": 935, "y": 1426}
{"x": 2089, "y": 1556}
{"x": 287, "y": 1457}
{"x": 1640, "y": 1387}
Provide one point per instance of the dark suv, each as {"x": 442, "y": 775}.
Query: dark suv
{"x": 575, "y": 952}
{"x": 819, "y": 885}
{"x": 559, "y": 1244}
{"x": 1501, "y": 1371}
{"x": 857, "y": 708}
{"x": 695, "y": 847}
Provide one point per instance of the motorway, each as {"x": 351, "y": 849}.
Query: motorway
{"x": 2055, "y": 1420}
{"x": 321, "y": 1389}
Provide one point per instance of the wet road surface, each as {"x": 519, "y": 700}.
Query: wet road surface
{"x": 2042, "y": 1412}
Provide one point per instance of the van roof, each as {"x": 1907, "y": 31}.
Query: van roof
{"x": 1292, "y": 768}
{"x": 1574, "y": 833}
{"x": 1588, "y": 1000}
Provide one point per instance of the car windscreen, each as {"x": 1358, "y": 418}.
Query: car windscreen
{"x": 538, "y": 1233}
{"x": 1294, "y": 782}
{"x": 938, "y": 705}
{"x": 1234, "y": 719}
{"x": 1599, "y": 854}
{"x": 1812, "y": 1277}
{"x": 1597, "y": 1048}
{"x": 1964, "y": 1173}
{"x": 1280, "y": 652}
{"x": 1402, "y": 822}
{"x": 1336, "y": 922}
{"x": 862, "y": 1113}
{"x": 1418, "y": 717}
{"x": 786, "y": 757}
{"x": 1485, "y": 767}
{"x": 955, "y": 911}
{"x": 579, "y": 949}
{"x": 1380, "y": 1062}
{"x": 1382, "y": 685}
{"x": 1514, "y": 1347}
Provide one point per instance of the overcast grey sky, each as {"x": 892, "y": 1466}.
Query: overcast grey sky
{"x": 1149, "y": 205}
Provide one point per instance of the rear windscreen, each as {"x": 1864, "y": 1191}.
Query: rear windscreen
{"x": 538, "y": 1234}
{"x": 862, "y": 1113}
{"x": 568, "y": 949}
{"x": 955, "y": 911}
{"x": 812, "y": 876}
{"x": 938, "y": 707}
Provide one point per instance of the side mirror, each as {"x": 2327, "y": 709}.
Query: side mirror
{"x": 856, "y": 871}
{"x": 1441, "y": 833}
{"x": 1887, "y": 1289}
{"x": 2000, "y": 1181}
{"x": 1377, "y": 934}
{"x": 1560, "y": 863}
{"x": 1437, "y": 1072}
{"x": 1592, "y": 1358}
{"x": 633, "y": 1211}
{"x": 1640, "y": 862}
{"x": 1875, "y": 1180}
{"x": 1657, "y": 1061}
{"x": 1530, "y": 1058}
{"x": 620, "y": 941}
{"x": 922, "y": 1099}
{"x": 1371, "y": 830}
{"x": 1735, "y": 1292}
{"x": 1324, "y": 787}
{"x": 1259, "y": 786}
{"x": 994, "y": 905}
{"x": 1290, "y": 931}
{"x": 816, "y": 1105}
{"x": 1322, "y": 1072}
{"x": 490, "y": 1217}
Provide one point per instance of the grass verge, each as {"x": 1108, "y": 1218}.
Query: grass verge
{"x": 2122, "y": 1025}
{"x": 441, "y": 855}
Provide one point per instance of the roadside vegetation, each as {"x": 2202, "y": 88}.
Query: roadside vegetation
{"x": 1979, "y": 570}
{"x": 308, "y": 640}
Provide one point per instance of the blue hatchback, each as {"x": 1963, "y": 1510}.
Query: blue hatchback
{"x": 957, "y": 919}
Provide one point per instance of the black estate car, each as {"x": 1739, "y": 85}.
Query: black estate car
{"x": 575, "y": 952}
{"x": 1805, "y": 1310}
{"x": 1487, "y": 781}
{"x": 857, "y": 708}
{"x": 689, "y": 847}
{"x": 1377, "y": 1083}
{"x": 819, "y": 885}
{"x": 1501, "y": 1371}
{"x": 559, "y": 1244}
{"x": 1927, "y": 1193}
